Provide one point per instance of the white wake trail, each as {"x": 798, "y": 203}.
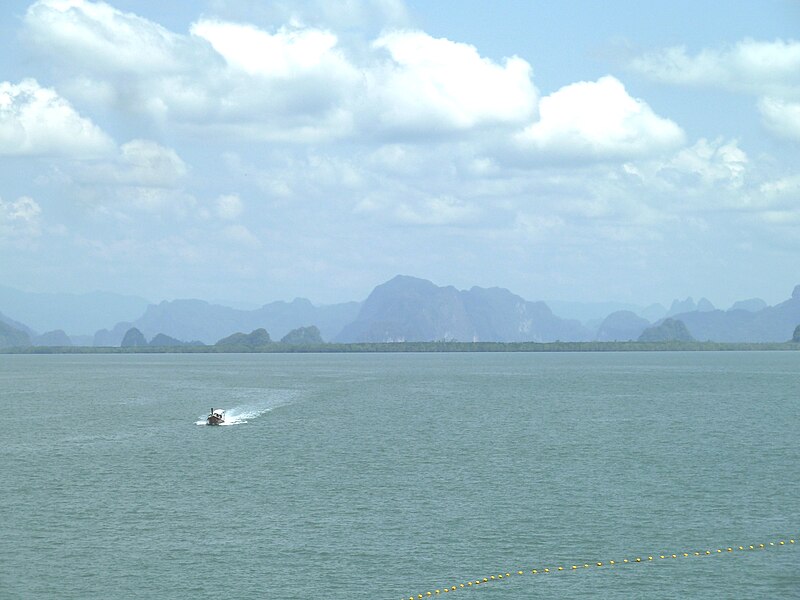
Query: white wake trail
{"x": 241, "y": 414}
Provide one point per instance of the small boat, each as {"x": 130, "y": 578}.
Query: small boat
{"x": 216, "y": 417}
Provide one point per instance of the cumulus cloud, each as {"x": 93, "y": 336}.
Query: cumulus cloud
{"x": 769, "y": 70}
{"x": 781, "y": 117}
{"x": 241, "y": 236}
{"x": 138, "y": 163}
{"x": 108, "y": 39}
{"x": 710, "y": 163}
{"x": 36, "y": 121}
{"x": 781, "y": 199}
{"x": 707, "y": 165}
{"x": 229, "y": 207}
{"x": 600, "y": 120}
{"x": 234, "y": 78}
{"x": 20, "y": 219}
{"x": 298, "y": 77}
{"x": 283, "y": 54}
{"x": 295, "y": 83}
{"x": 749, "y": 65}
{"x": 422, "y": 210}
{"x": 437, "y": 84}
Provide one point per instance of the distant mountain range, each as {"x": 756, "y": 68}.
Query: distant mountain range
{"x": 77, "y": 314}
{"x": 402, "y": 309}
{"x": 208, "y": 323}
{"x": 407, "y": 309}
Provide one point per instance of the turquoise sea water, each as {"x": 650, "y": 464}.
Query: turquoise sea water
{"x": 389, "y": 475}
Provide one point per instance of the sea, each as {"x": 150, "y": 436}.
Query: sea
{"x": 397, "y": 476}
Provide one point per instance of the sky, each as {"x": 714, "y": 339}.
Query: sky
{"x": 259, "y": 151}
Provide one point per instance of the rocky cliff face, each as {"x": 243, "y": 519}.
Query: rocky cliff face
{"x": 669, "y": 330}
{"x": 621, "y": 326}
{"x": 415, "y": 310}
{"x": 200, "y": 320}
{"x": 771, "y": 324}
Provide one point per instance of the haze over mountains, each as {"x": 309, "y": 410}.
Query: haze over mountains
{"x": 402, "y": 309}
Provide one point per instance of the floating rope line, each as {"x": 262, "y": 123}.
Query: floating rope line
{"x": 595, "y": 565}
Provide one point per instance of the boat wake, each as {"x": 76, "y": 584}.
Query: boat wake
{"x": 239, "y": 415}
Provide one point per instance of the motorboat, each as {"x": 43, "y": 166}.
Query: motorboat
{"x": 216, "y": 417}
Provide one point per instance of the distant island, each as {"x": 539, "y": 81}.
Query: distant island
{"x": 402, "y": 314}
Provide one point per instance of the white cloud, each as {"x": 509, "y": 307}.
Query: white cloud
{"x": 138, "y": 163}
{"x": 598, "y": 120}
{"x": 283, "y": 54}
{"x": 762, "y": 68}
{"x": 781, "y": 117}
{"x": 770, "y": 70}
{"x": 711, "y": 163}
{"x": 104, "y": 37}
{"x": 229, "y": 207}
{"x": 785, "y": 187}
{"x": 436, "y": 211}
{"x": 425, "y": 211}
{"x": 36, "y": 121}
{"x": 20, "y": 219}
{"x": 707, "y": 174}
{"x": 436, "y": 84}
{"x": 241, "y": 236}
{"x": 226, "y": 78}
{"x": 155, "y": 200}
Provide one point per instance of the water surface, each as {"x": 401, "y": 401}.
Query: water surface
{"x": 387, "y": 475}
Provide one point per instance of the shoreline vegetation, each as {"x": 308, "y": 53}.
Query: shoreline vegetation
{"x": 404, "y": 347}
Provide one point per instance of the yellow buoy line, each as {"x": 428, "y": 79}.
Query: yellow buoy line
{"x": 599, "y": 564}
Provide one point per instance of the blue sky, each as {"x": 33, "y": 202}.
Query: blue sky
{"x": 253, "y": 152}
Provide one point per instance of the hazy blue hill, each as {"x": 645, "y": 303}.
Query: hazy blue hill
{"x": 133, "y": 339}
{"x": 592, "y": 314}
{"x": 771, "y": 324}
{"x": 52, "y": 338}
{"x": 192, "y": 319}
{"x": 796, "y": 336}
{"x": 258, "y": 337}
{"x": 681, "y": 306}
{"x": 669, "y": 330}
{"x": 200, "y": 320}
{"x": 750, "y": 305}
{"x": 303, "y": 335}
{"x": 11, "y": 337}
{"x": 17, "y": 325}
{"x": 113, "y": 337}
{"x": 74, "y": 313}
{"x": 653, "y": 313}
{"x": 165, "y": 341}
{"x": 413, "y": 310}
{"x": 620, "y": 326}
{"x": 704, "y": 305}
{"x": 499, "y": 315}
